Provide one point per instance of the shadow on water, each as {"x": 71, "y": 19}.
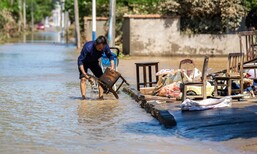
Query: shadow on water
{"x": 86, "y": 99}
{"x": 152, "y": 127}
{"x": 76, "y": 98}
{"x": 218, "y": 124}
{"x": 220, "y": 130}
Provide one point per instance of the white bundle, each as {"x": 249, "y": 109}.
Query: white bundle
{"x": 205, "y": 104}
{"x": 165, "y": 71}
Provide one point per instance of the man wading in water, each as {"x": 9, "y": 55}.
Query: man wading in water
{"x": 89, "y": 59}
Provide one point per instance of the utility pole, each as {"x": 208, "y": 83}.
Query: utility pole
{"x": 93, "y": 20}
{"x": 20, "y": 15}
{"x": 62, "y": 17}
{"x": 32, "y": 15}
{"x": 76, "y": 9}
{"x": 61, "y": 13}
{"x": 24, "y": 15}
{"x": 112, "y": 21}
{"x": 66, "y": 17}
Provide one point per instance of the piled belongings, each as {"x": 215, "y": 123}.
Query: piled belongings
{"x": 168, "y": 84}
{"x": 169, "y": 81}
{"x": 250, "y": 86}
{"x": 165, "y": 72}
{"x": 210, "y": 103}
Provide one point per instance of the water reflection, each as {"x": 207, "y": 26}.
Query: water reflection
{"x": 98, "y": 118}
{"x": 49, "y": 36}
{"x": 44, "y": 37}
{"x": 94, "y": 111}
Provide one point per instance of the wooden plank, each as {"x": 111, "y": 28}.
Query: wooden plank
{"x": 250, "y": 67}
{"x": 250, "y": 61}
{"x": 247, "y": 33}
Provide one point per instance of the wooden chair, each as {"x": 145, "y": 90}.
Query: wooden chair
{"x": 248, "y": 46}
{"x": 234, "y": 72}
{"x": 201, "y": 83}
{"x": 188, "y": 65}
{"x": 108, "y": 79}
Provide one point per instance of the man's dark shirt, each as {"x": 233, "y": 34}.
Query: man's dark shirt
{"x": 89, "y": 54}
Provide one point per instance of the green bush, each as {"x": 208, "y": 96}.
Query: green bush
{"x": 251, "y": 19}
{"x": 206, "y": 16}
{"x": 8, "y": 26}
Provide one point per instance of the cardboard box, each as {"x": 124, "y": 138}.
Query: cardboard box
{"x": 147, "y": 90}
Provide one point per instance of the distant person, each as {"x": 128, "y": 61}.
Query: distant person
{"x": 89, "y": 57}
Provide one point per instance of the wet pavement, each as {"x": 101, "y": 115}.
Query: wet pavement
{"x": 41, "y": 110}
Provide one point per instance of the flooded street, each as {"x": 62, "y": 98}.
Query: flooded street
{"x": 41, "y": 110}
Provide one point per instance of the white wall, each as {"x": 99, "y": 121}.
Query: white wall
{"x": 157, "y": 35}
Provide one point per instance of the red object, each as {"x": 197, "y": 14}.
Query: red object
{"x": 248, "y": 75}
{"x": 40, "y": 26}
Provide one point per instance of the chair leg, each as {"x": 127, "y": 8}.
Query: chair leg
{"x": 204, "y": 91}
{"x": 215, "y": 88}
{"x": 229, "y": 87}
{"x": 110, "y": 89}
{"x": 241, "y": 87}
{"x": 184, "y": 92}
{"x": 114, "y": 92}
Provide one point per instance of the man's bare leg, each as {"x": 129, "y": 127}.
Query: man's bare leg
{"x": 83, "y": 87}
{"x": 101, "y": 91}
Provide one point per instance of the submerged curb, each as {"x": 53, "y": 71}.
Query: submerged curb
{"x": 156, "y": 109}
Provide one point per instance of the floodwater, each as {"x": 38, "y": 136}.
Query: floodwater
{"x": 41, "y": 110}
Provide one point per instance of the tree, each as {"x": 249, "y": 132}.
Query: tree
{"x": 10, "y": 14}
{"x": 251, "y": 19}
{"x": 77, "y": 23}
{"x": 206, "y": 16}
{"x": 41, "y": 9}
{"x": 8, "y": 19}
{"x": 249, "y": 4}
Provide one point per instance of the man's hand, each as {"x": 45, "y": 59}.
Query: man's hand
{"x": 112, "y": 65}
{"x": 91, "y": 80}
{"x": 111, "y": 68}
{"x": 86, "y": 76}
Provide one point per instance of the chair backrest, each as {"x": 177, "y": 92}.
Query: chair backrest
{"x": 235, "y": 64}
{"x": 186, "y": 61}
{"x": 248, "y": 44}
{"x": 188, "y": 65}
{"x": 205, "y": 68}
{"x": 109, "y": 77}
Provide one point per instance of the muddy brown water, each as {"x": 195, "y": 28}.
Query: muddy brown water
{"x": 41, "y": 110}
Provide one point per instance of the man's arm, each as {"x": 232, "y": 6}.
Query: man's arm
{"x": 81, "y": 67}
{"x": 81, "y": 57}
{"x": 112, "y": 64}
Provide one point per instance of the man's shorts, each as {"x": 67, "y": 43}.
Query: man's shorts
{"x": 94, "y": 67}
